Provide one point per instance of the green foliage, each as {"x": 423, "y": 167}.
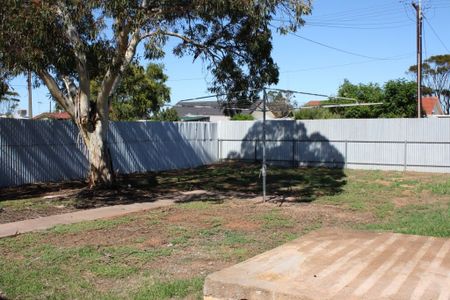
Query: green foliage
{"x": 233, "y": 37}
{"x": 8, "y": 98}
{"x": 398, "y": 98}
{"x": 141, "y": 92}
{"x": 364, "y": 93}
{"x": 168, "y": 115}
{"x": 315, "y": 113}
{"x": 242, "y": 117}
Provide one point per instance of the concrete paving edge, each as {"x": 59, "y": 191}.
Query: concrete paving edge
{"x": 15, "y": 228}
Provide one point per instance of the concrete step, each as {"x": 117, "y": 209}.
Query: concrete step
{"x": 338, "y": 264}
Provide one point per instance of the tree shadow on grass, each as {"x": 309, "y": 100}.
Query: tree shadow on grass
{"x": 241, "y": 180}
{"x": 288, "y": 144}
{"x": 238, "y": 180}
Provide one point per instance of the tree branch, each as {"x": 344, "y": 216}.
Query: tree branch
{"x": 55, "y": 91}
{"x": 78, "y": 46}
{"x": 70, "y": 87}
{"x": 186, "y": 39}
{"x": 124, "y": 54}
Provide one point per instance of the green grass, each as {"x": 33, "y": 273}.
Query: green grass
{"x": 35, "y": 203}
{"x": 29, "y": 277}
{"x": 91, "y": 225}
{"x": 430, "y": 220}
{"x": 53, "y": 265}
{"x": 233, "y": 238}
{"x": 198, "y": 204}
{"x": 440, "y": 188}
{"x": 275, "y": 219}
{"x": 178, "y": 289}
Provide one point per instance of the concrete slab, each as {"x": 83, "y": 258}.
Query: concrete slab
{"x": 336, "y": 264}
{"x": 11, "y": 229}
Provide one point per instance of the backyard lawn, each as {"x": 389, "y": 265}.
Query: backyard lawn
{"x": 167, "y": 252}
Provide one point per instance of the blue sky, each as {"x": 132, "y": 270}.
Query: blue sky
{"x": 380, "y": 35}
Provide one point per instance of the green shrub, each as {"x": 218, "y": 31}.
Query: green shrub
{"x": 242, "y": 117}
{"x": 315, "y": 113}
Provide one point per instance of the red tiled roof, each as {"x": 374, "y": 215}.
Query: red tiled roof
{"x": 313, "y": 103}
{"x": 53, "y": 116}
{"x": 429, "y": 104}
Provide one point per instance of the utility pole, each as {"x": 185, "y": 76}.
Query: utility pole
{"x": 30, "y": 96}
{"x": 418, "y": 8}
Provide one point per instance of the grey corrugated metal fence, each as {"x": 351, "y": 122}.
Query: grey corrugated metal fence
{"x": 42, "y": 151}
{"x": 386, "y": 144}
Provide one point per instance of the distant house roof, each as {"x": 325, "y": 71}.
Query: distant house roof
{"x": 198, "y": 108}
{"x": 313, "y": 103}
{"x": 431, "y": 106}
{"x": 53, "y": 116}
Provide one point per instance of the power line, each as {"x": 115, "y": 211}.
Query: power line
{"x": 359, "y": 11}
{"x": 337, "y": 49}
{"x": 392, "y": 58}
{"x": 357, "y": 27}
{"x": 435, "y": 33}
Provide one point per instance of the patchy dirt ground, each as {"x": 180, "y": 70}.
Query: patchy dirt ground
{"x": 180, "y": 242}
{"x": 167, "y": 252}
{"x": 227, "y": 180}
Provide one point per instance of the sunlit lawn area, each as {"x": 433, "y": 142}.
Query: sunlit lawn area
{"x": 167, "y": 253}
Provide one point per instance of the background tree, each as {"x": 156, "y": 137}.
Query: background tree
{"x": 315, "y": 114}
{"x": 364, "y": 93}
{"x": 141, "y": 93}
{"x": 8, "y": 97}
{"x": 8, "y": 101}
{"x": 168, "y": 115}
{"x": 68, "y": 43}
{"x": 400, "y": 99}
{"x": 281, "y": 104}
{"x": 242, "y": 117}
{"x": 436, "y": 76}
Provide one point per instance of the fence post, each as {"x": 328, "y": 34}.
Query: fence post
{"x": 404, "y": 157}
{"x": 293, "y": 152}
{"x": 345, "y": 154}
{"x": 256, "y": 150}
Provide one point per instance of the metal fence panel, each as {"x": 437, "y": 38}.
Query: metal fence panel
{"x": 41, "y": 151}
{"x": 35, "y": 151}
{"x": 388, "y": 144}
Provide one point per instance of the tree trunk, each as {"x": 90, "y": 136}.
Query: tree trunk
{"x": 101, "y": 171}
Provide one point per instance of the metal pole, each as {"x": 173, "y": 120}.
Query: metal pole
{"x": 30, "y": 96}
{"x": 264, "y": 167}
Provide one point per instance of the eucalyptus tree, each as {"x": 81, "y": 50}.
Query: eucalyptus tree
{"x": 436, "y": 75}
{"x": 66, "y": 43}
